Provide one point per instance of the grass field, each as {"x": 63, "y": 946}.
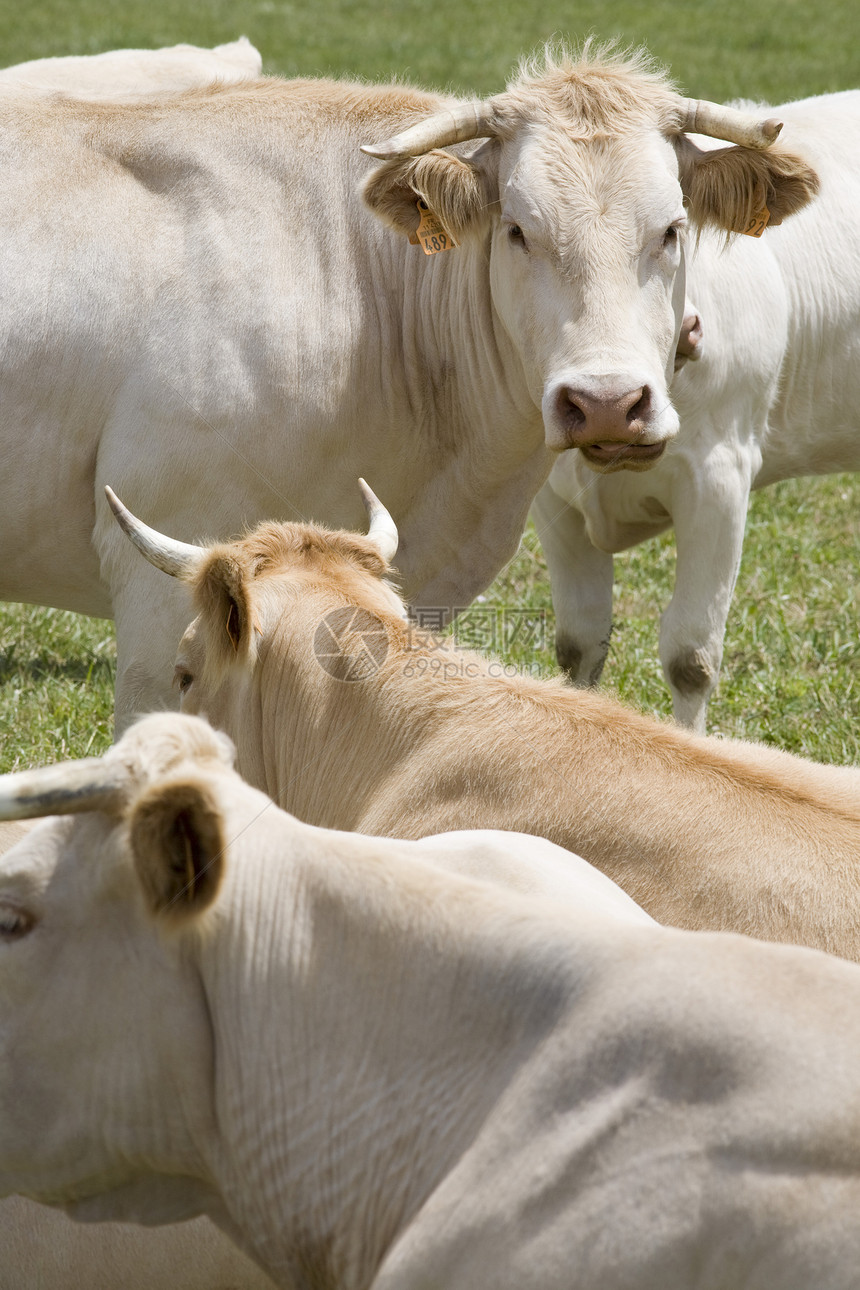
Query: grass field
{"x": 792, "y": 663}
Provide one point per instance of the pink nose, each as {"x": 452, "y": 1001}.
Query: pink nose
{"x": 586, "y": 417}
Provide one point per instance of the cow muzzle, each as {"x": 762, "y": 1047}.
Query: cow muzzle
{"x": 617, "y": 422}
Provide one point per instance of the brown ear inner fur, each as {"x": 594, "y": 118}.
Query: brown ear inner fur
{"x": 458, "y": 193}
{"x": 726, "y": 187}
{"x": 178, "y": 844}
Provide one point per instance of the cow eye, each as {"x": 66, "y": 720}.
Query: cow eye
{"x": 182, "y": 678}
{"x": 14, "y": 923}
{"x": 672, "y": 236}
{"x": 516, "y": 235}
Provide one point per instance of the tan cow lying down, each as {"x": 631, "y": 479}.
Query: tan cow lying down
{"x": 380, "y": 1075}
{"x": 353, "y": 720}
{"x": 137, "y": 71}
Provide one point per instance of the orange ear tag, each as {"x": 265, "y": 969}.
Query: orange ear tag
{"x": 758, "y": 223}
{"x": 431, "y": 233}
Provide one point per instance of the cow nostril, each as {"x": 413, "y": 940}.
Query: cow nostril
{"x": 569, "y": 411}
{"x": 641, "y": 408}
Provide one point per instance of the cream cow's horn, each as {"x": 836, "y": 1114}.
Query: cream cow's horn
{"x": 87, "y": 785}
{"x": 720, "y": 122}
{"x": 179, "y": 559}
{"x": 451, "y": 125}
{"x": 383, "y": 531}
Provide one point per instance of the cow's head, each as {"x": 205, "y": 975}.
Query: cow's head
{"x": 105, "y": 1041}
{"x": 585, "y": 187}
{"x": 286, "y": 602}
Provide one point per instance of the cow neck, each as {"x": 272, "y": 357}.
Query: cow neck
{"x": 369, "y": 1013}
{"x": 320, "y": 734}
{"x": 466, "y": 392}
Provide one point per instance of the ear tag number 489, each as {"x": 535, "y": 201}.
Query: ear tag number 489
{"x": 431, "y": 234}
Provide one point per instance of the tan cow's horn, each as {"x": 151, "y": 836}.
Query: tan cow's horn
{"x": 720, "y": 122}
{"x": 452, "y": 125}
{"x": 87, "y": 785}
{"x": 383, "y": 531}
{"x": 179, "y": 559}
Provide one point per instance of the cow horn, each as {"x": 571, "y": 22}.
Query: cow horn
{"x": 179, "y": 559}
{"x": 720, "y": 122}
{"x": 452, "y": 125}
{"x": 383, "y": 531}
{"x": 86, "y": 785}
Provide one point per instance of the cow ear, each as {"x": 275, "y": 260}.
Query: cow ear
{"x": 727, "y": 187}
{"x": 223, "y": 600}
{"x": 460, "y": 192}
{"x": 178, "y": 844}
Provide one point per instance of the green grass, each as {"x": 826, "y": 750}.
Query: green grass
{"x": 792, "y": 659}
{"x": 768, "y": 48}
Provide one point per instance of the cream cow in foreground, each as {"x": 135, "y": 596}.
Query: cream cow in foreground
{"x": 45, "y": 1250}
{"x": 352, "y": 719}
{"x": 243, "y": 306}
{"x": 378, "y": 1075}
{"x": 120, "y": 72}
{"x": 775, "y": 396}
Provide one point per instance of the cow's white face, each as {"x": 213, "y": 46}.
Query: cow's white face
{"x": 584, "y": 273}
{"x": 583, "y": 186}
{"x": 93, "y": 1003}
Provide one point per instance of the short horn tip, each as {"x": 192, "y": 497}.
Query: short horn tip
{"x": 378, "y": 151}
{"x": 771, "y": 129}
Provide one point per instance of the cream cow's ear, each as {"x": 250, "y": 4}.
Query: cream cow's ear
{"x": 728, "y": 187}
{"x": 178, "y": 844}
{"x": 460, "y": 192}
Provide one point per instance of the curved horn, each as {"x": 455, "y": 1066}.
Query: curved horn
{"x": 720, "y": 122}
{"x": 383, "y": 531}
{"x": 65, "y": 789}
{"x": 179, "y": 559}
{"x": 451, "y": 125}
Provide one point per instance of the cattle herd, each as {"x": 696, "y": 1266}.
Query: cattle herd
{"x": 377, "y": 967}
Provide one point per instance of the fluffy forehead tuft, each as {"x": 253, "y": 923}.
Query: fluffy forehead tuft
{"x": 274, "y": 548}
{"x": 597, "y": 90}
{"x": 163, "y": 741}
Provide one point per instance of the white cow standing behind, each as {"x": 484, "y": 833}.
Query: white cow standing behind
{"x": 381, "y": 1076}
{"x": 120, "y": 72}
{"x": 194, "y": 289}
{"x": 775, "y": 396}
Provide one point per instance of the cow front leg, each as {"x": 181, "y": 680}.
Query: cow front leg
{"x": 581, "y": 579}
{"x": 151, "y": 610}
{"x": 709, "y": 517}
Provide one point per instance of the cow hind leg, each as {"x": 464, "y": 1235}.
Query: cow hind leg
{"x": 581, "y": 578}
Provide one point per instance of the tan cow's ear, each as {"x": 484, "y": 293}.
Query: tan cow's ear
{"x": 457, "y": 191}
{"x": 727, "y": 187}
{"x": 222, "y": 596}
{"x": 178, "y": 844}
